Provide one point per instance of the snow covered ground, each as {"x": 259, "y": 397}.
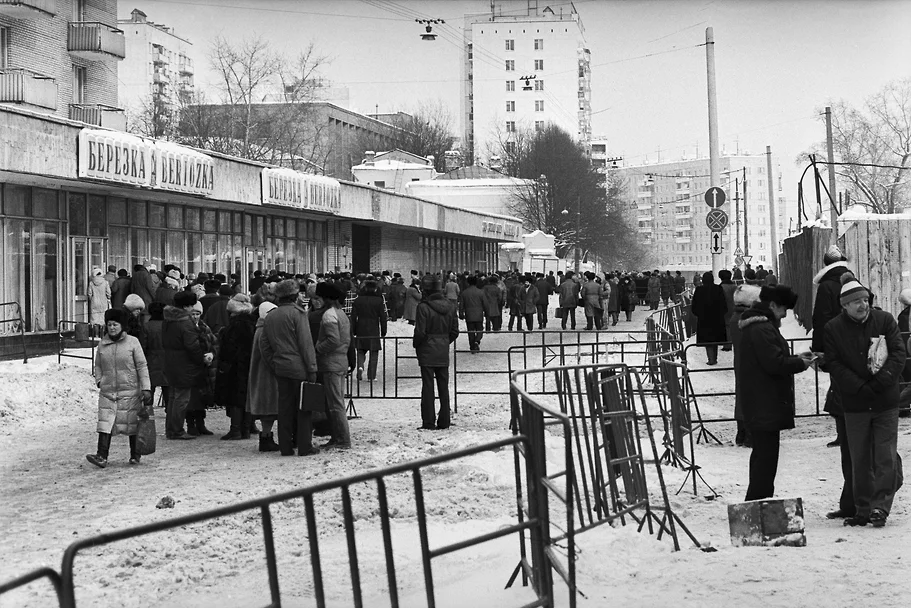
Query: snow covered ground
{"x": 50, "y": 496}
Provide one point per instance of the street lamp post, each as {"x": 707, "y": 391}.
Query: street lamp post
{"x": 577, "y": 246}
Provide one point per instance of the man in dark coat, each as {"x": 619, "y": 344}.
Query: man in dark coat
{"x": 493, "y": 316}
{"x": 528, "y": 305}
{"x": 234, "y": 357}
{"x": 435, "y": 328}
{"x": 709, "y": 306}
{"x": 217, "y": 316}
{"x": 865, "y": 356}
{"x": 680, "y": 285}
{"x": 120, "y": 289}
{"x": 369, "y": 324}
{"x": 211, "y": 287}
{"x": 473, "y": 308}
{"x": 185, "y": 362}
{"x": 667, "y": 286}
{"x": 257, "y": 281}
{"x": 396, "y": 297}
{"x": 141, "y": 284}
{"x": 569, "y": 299}
{"x": 728, "y": 287}
{"x": 545, "y": 289}
{"x": 766, "y": 376}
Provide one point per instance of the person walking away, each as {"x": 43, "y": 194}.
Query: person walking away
{"x": 826, "y": 307}
{"x": 494, "y": 310}
{"x": 185, "y": 362}
{"x": 262, "y": 384}
{"x": 545, "y": 289}
{"x": 766, "y": 377}
{"x": 332, "y": 345}
{"x": 745, "y": 296}
{"x": 473, "y": 308}
{"x": 369, "y": 323}
{"x": 654, "y": 291}
{"x": 865, "y": 357}
{"x": 99, "y": 297}
{"x": 610, "y": 296}
{"x": 125, "y": 394}
{"x": 120, "y": 288}
{"x": 591, "y": 301}
{"x": 154, "y": 349}
{"x": 528, "y": 306}
{"x": 234, "y": 355}
{"x": 666, "y": 281}
{"x": 412, "y": 299}
{"x": 515, "y": 298}
{"x": 709, "y": 307}
{"x": 727, "y": 285}
{"x": 289, "y": 351}
{"x": 569, "y": 299}
{"x": 628, "y": 296}
{"x": 452, "y": 290}
{"x": 679, "y": 285}
{"x": 396, "y": 295}
{"x": 435, "y": 328}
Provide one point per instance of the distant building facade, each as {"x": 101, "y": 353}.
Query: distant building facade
{"x": 157, "y": 67}
{"x": 61, "y": 57}
{"x": 545, "y": 46}
{"x": 393, "y": 170}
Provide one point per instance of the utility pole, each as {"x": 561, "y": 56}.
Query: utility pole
{"x": 714, "y": 160}
{"x": 830, "y": 151}
{"x": 737, "y": 212}
{"x": 578, "y": 253}
{"x": 773, "y": 223}
{"x": 746, "y": 216}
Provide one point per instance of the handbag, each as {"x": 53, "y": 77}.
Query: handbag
{"x": 558, "y": 313}
{"x": 146, "y": 434}
{"x": 312, "y": 397}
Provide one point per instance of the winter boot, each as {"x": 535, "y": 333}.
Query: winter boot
{"x": 134, "y": 450}
{"x": 246, "y": 421}
{"x": 237, "y": 420}
{"x": 191, "y": 424}
{"x": 267, "y": 444}
{"x": 201, "y": 423}
{"x": 100, "y": 457}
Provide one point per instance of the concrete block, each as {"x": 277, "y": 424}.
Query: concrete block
{"x": 770, "y": 522}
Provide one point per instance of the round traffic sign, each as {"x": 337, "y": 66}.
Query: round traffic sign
{"x": 716, "y": 220}
{"x": 738, "y": 260}
{"x": 714, "y": 197}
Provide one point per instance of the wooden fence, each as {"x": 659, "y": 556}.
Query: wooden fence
{"x": 878, "y": 249}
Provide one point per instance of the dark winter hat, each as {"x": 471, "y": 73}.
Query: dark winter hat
{"x": 288, "y": 288}
{"x": 833, "y": 254}
{"x": 779, "y": 294}
{"x": 851, "y": 289}
{"x": 116, "y": 314}
{"x": 156, "y": 311}
{"x": 329, "y": 291}
{"x": 430, "y": 284}
{"x": 225, "y": 290}
{"x": 183, "y": 299}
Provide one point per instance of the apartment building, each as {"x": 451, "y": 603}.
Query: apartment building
{"x": 61, "y": 57}
{"x": 521, "y": 73}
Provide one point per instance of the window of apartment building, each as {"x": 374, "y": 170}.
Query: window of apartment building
{"x": 510, "y": 147}
{"x": 510, "y": 126}
{"x": 539, "y": 64}
{"x": 510, "y": 45}
{"x": 78, "y": 84}
{"x": 470, "y": 51}
{"x": 4, "y": 44}
{"x": 510, "y": 106}
{"x": 539, "y": 44}
{"x": 510, "y": 85}
{"x": 539, "y": 105}
{"x": 539, "y": 85}
{"x": 380, "y": 183}
{"x": 510, "y": 65}
{"x": 539, "y": 125}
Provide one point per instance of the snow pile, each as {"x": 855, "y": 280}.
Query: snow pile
{"x": 43, "y": 391}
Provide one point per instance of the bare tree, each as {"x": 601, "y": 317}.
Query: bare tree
{"x": 873, "y": 147}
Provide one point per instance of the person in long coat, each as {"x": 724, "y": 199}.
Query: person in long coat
{"x": 437, "y": 327}
{"x": 368, "y": 323}
{"x": 494, "y": 296}
{"x": 235, "y": 352}
{"x": 473, "y": 308}
{"x": 727, "y": 285}
{"x": 122, "y": 375}
{"x": 120, "y": 288}
{"x": 185, "y": 363}
{"x": 628, "y": 296}
{"x": 612, "y": 293}
{"x": 766, "y": 377}
{"x": 99, "y": 293}
{"x": 590, "y": 293}
{"x": 154, "y": 349}
{"x": 654, "y": 291}
{"x": 666, "y": 282}
{"x": 569, "y": 299}
{"x": 396, "y": 296}
{"x": 412, "y": 299}
{"x": 745, "y": 296}
{"x": 528, "y": 305}
{"x": 262, "y": 384}
{"x": 709, "y": 307}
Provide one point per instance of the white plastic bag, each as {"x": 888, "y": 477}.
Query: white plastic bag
{"x": 877, "y": 354}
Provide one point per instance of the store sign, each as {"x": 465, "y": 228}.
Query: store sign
{"x": 127, "y": 159}
{"x": 497, "y": 228}
{"x": 290, "y": 188}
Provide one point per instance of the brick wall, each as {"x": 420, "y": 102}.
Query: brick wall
{"x": 400, "y": 251}
{"x": 40, "y": 45}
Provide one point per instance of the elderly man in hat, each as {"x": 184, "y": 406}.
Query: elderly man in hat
{"x": 332, "y": 346}
{"x": 765, "y": 378}
{"x": 865, "y": 356}
{"x": 288, "y": 350}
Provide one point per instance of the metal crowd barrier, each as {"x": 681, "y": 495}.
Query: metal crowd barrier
{"x": 76, "y": 335}
{"x": 533, "y": 523}
{"x": 15, "y": 318}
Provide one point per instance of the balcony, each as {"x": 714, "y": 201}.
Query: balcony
{"x": 99, "y": 115}
{"x": 185, "y": 66}
{"x": 29, "y": 88}
{"x": 28, "y": 9}
{"x": 159, "y": 57}
{"x": 160, "y": 77}
{"x": 95, "y": 41}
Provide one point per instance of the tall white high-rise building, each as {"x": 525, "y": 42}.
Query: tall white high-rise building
{"x": 157, "y": 66}
{"x": 522, "y": 72}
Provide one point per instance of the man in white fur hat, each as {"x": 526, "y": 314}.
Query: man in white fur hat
{"x": 865, "y": 355}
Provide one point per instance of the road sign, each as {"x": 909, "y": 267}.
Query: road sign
{"x": 716, "y": 220}
{"x": 738, "y": 260}
{"x": 738, "y": 252}
{"x": 716, "y": 243}
{"x": 747, "y": 258}
{"x": 714, "y": 197}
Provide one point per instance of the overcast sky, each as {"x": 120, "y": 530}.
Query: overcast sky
{"x": 778, "y": 61}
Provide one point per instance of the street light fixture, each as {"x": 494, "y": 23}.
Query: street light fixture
{"x": 428, "y": 30}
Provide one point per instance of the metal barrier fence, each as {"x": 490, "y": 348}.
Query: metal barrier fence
{"x": 77, "y": 335}
{"x": 14, "y": 318}
{"x": 533, "y": 522}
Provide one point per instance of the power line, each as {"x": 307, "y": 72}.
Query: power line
{"x": 261, "y": 9}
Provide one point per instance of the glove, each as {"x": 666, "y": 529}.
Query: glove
{"x": 147, "y": 397}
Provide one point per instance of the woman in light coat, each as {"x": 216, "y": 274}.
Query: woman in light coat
{"x": 262, "y": 385}
{"x": 122, "y": 375}
{"x": 99, "y": 297}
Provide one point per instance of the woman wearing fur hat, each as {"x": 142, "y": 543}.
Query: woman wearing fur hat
{"x": 234, "y": 366}
{"x": 137, "y": 318}
{"x": 99, "y": 297}
{"x": 122, "y": 375}
{"x": 262, "y": 384}
{"x": 185, "y": 362}
{"x": 766, "y": 383}
{"x": 744, "y": 297}
{"x": 204, "y": 393}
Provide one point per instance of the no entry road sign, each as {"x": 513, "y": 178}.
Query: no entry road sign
{"x": 716, "y": 220}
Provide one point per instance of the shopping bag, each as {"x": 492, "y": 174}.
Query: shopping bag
{"x": 878, "y": 353}
{"x": 312, "y": 397}
{"x": 558, "y": 313}
{"x": 146, "y": 434}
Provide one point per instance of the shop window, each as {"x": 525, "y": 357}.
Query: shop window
{"x": 260, "y": 232}
{"x": 224, "y": 222}
{"x": 139, "y": 246}
{"x": 156, "y": 215}
{"x": 119, "y": 248}
{"x": 209, "y": 221}
{"x": 238, "y": 222}
{"x": 97, "y": 220}
{"x": 210, "y": 252}
{"x": 248, "y": 229}
{"x": 278, "y": 227}
{"x": 157, "y": 244}
{"x": 117, "y": 210}
{"x": 78, "y": 217}
{"x": 176, "y": 244}
{"x": 292, "y": 229}
{"x": 194, "y": 252}
{"x": 16, "y": 200}
{"x": 45, "y": 203}
{"x": 175, "y": 216}
{"x": 192, "y": 218}
{"x": 138, "y": 214}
